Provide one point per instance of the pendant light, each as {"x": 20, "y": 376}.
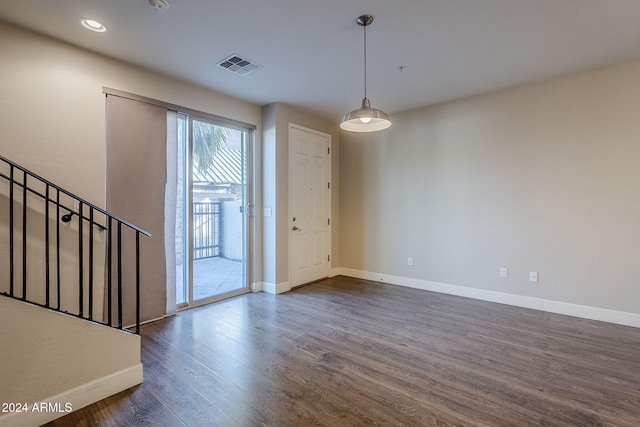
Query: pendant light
{"x": 365, "y": 118}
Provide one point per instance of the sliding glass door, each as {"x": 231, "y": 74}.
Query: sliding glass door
{"x": 211, "y": 224}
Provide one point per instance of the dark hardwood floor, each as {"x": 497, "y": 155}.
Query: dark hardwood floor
{"x": 347, "y": 352}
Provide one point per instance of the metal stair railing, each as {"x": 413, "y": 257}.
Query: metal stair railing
{"x": 44, "y": 244}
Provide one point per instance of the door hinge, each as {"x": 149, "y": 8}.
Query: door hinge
{"x": 328, "y": 221}
{"x": 328, "y": 150}
{"x": 328, "y": 257}
{"x": 328, "y": 185}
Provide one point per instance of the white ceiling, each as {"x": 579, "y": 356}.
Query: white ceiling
{"x": 311, "y": 52}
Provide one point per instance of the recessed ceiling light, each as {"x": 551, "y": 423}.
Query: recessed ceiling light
{"x": 92, "y": 25}
{"x": 159, "y": 5}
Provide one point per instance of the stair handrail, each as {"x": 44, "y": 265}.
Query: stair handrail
{"x": 68, "y": 193}
{"x": 82, "y": 203}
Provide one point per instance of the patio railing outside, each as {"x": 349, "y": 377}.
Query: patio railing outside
{"x": 207, "y": 220}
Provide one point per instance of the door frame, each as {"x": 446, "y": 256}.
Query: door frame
{"x": 290, "y": 224}
{"x": 249, "y": 229}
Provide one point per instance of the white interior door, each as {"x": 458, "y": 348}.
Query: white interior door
{"x": 310, "y": 205}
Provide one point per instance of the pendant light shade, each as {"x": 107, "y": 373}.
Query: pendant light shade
{"x": 365, "y": 118}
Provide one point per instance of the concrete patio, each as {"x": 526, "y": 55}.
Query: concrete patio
{"x": 213, "y": 276}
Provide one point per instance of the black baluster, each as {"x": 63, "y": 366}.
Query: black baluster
{"x": 119, "y": 275}
{"x": 11, "y": 227}
{"x": 80, "y": 262}
{"x": 109, "y": 270}
{"x": 138, "y": 282}
{"x": 46, "y": 244}
{"x": 24, "y": 237}
{"x": 58, "y": 248}
{"x": 90, "y": 263}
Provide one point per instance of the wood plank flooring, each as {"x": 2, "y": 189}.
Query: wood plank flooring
{"x": 347, "y": 352}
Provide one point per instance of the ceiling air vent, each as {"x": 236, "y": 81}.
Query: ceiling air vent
{"x": 238, "y": 65}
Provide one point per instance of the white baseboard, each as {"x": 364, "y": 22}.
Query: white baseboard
{"x": 279, "y": 288}
{"x": 133, "y": 327}
{"x": 335, "y": 272}
{"x": 587, "y": 312}
{"x": 257, "y": 287}
{"x": 78, "y": 397}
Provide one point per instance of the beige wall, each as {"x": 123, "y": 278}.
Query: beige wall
{"x": 276, "y": 119}
{"x": 538, "y": 178}
{"x": 60, "y": 359}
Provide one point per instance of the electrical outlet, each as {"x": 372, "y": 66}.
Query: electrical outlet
{"x": 410, "y": 261}
{"x": 504, "y": 272}
{"x": 533, "y": 276}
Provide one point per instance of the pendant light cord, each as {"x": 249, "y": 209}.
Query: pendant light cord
{"x": 365, "y": 59}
